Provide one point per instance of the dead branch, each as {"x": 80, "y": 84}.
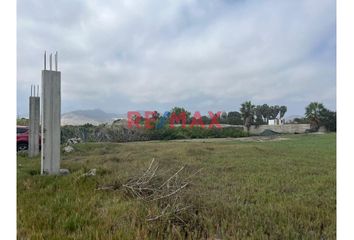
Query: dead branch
{"x": 170, "y": 194}
{"x": 150, "y": 187}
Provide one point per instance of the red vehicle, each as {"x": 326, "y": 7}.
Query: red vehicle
{"x": 22, "y": 138}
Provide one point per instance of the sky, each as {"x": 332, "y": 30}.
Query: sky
{"x": 203, "y": 55}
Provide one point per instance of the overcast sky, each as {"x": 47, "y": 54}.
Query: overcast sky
{"x": 202, "y": 55}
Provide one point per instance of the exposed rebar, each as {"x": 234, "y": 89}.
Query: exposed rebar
{"x": 56, "y": 61}
{"x": 45, "y": 60}
{"x": 50, "y": 62}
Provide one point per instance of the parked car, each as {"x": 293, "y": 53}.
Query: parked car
{"x": 22, "y": 138}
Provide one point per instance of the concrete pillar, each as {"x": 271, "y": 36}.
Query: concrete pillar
{"x": 51, "y": 110}
{"x": 34, "y": 114}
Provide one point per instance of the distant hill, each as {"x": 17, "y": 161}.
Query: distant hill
{"x": 292, "y": 117}
{"x": 94, "y": 117}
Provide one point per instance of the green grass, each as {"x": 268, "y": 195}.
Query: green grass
{"x": 246, "y": 190}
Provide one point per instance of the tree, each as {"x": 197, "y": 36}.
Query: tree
{"x": 156, "y": 115}
{"x": 314, "y": 112}
{"x": 329, "y": 120}
{"x": 223, "y": 118}
{"x": 247, "y": 112}
{"x": 23, "y": 121}
{"x": 274, "y": 111}
{"x": 178, "y": 110}
{"x": 283, "y": 110}
{"x": 258, "y": 114}
{"x": 265, "y": 111}
{"x": 206, "y": 119}
{"x": 301, "y": 121}
{"x": 234, "y": 118}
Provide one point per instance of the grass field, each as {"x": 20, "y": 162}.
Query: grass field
{"x": 245, "y": 190}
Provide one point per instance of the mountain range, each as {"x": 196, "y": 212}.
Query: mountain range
{"x": 94, "y": 117}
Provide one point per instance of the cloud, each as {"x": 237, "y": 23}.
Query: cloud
{"x": 121, "y": 55}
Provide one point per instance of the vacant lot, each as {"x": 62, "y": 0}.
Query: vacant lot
{"x": 245, "y": 190}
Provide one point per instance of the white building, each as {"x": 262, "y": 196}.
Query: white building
{"x": 276, "y": 121}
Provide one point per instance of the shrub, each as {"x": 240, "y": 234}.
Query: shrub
{"x": 121, "y": 133}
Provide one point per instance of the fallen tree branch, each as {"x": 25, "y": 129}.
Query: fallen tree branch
{"x": 150, "y": 187}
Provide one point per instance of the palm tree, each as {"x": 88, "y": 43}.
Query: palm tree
{"x": 247, "y": 112}
{"x": 314, "y": 111}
